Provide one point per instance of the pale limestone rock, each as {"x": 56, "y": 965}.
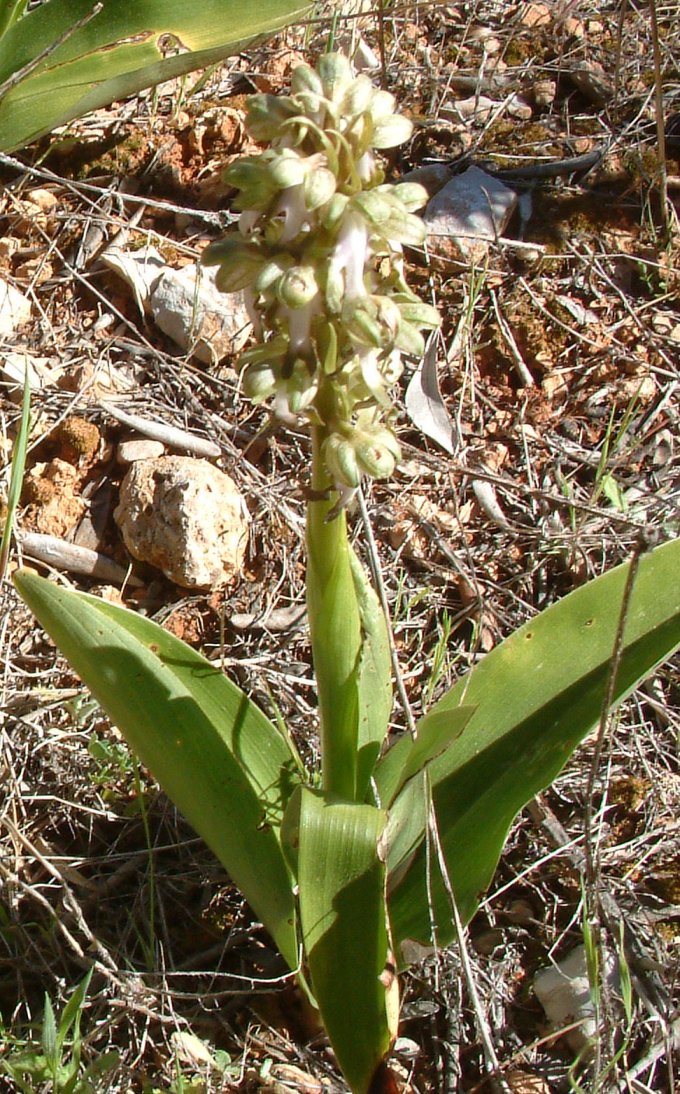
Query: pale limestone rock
{"x": 467, "y": 214}
{"x": 185, "y": 517}
{"x": 565, "y": 994}
{"x": 476, "y": 109}
{"x": 544, "y": 92}
{"x": 16, "y": 366}
{"x": 15, "y": 308}
{"x": 190, "y": 309}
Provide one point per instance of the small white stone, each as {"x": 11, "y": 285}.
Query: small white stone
{"x": 518, "y": 108}
{"x": 138, "y": 449}
{"x": 187, "y": 518}
{"x": 476, "y": 109}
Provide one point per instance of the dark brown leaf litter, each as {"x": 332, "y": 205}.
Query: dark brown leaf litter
{"x": 581, "y": 296}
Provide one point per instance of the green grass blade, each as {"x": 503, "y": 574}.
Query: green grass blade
{"x": 217, "y": 756}
{"x": 123, "y": 49}
{"x": 536, "y": 695}
{"x": 16, "y": 481}
{"x": 342, "y": 914}
{"x": 10, "y": 12}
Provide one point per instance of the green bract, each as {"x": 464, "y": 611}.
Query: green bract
{"x": 319, "y": 257}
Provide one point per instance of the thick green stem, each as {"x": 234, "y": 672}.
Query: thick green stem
{"x": 335, "y": 627}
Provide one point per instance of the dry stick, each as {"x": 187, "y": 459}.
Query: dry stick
{"x": 520, "y": 364}
{"x": 593, "y": 897}
{"x": 491, "y": 1060}
{"x": 660, "y": 123}
{"x": 81, "y": 189}
{"x": 618, "y": 48}
{"x": 376, "y": 574}
{"x": 169, "y": 435}
{"x": 640, "y": 961}
{"x": 31, "y": 66}
{"x": 69, "y": 900}
{"x": 381, "y": 43}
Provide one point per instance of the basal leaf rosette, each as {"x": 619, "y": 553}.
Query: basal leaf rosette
{"x": 318, "y": 255}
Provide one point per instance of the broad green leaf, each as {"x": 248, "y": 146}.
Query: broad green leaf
{"x": 121, "y": 50}
{"x": 374, "y": 679}
{"x": 409, "y": 755}
{"x": 342, "y": 916}
{"x": 404, "y": 788}
{"x": 536, "y": 695}
{"x": 215, "y": 754}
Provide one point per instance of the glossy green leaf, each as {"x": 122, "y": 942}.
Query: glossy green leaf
{"x": 342, "y": 915}
{"x": 62, "y": 73}
{"x": 216, "y": 755}
{"x": 536, "y": 695}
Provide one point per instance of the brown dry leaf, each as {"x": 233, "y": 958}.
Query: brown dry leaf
{"x": 526, "y": 1082}
{"x": 289, "y": 1079}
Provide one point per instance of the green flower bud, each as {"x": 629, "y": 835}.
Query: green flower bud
{"x": 405, "y": 228}
{"x": 239, "y": 262}
{"x": 246, "y": 172}
{"x": 358, "y": 96}
{"x": 377, "y": 451}
{"x": 372, "y": 320}
{"x": 382, "y": 105}
{"x": 340, "y": 458}
{"x": 298, "y": 286}
{"x": 335, "y": 73}
{"x": 334, "y": 211}
{"x": 260, "y": 381}
{"x": 298, "y": 388}
{"x": 412, "y": 195}
{"x": 251, "y": 177}
{"x": 326, "y": 341}
{"x": 318, "y": 188}
{"x": 288, "y": 168}
{"x": 272, "y": 353}
{"x": 419, "y": 313}
{"x": 376, "y": 207}
{"x": 410, "y": 340}
{"x": 266, "y": 114}
{"x": 377, "y": 460}
{"x": 304, "y": 78}
{"x": 391, "y": 131}
{"x": 272, "y": 272}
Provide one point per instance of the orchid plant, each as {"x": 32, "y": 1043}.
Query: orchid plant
{"x": 358, "y": 869}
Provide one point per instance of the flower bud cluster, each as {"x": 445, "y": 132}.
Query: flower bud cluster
{"x": 319, "y": 257}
